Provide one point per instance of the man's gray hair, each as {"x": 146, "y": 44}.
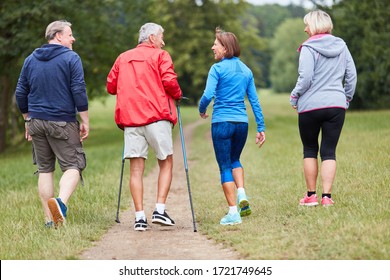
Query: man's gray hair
{"x": 148, "y": 29}
{"x": 56, "y": 26}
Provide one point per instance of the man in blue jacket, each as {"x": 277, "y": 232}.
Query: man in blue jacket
{"x": 50, "y": 91}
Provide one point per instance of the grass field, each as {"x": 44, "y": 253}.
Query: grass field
{"x": 357, "y": 227}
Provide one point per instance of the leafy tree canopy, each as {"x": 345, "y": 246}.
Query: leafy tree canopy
{"x": 284, "y": 65}
{"x": 363, "y": 24}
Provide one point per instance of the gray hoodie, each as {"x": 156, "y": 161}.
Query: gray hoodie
{"x": 327, "y": 75}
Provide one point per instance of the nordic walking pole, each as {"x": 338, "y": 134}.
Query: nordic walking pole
{"x": 120, "y": 188}
{"x": 185, "y": 163}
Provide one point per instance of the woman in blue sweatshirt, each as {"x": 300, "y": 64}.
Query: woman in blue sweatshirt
{"x": 325, "y": 86}
{"x": 229, "y": 82}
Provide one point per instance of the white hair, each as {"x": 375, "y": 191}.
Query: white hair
{"x": 148, "y": 29}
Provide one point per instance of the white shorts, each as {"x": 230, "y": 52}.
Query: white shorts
{"x": 158, "y": 135}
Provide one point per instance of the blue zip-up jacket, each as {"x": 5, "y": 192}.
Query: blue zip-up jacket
{"x": 327, "y": 75}
{"x": 51, "y": 85}
{"x": 229, "y": 81}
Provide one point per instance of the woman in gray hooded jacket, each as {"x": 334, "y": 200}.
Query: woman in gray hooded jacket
{"x": 325, "y": 86}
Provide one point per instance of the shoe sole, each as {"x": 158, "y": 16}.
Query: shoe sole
{"x": 309, "y": 204}
{"x": 327, "y": 205}
{"x": 243, "y": 203}
{"x": 55, "y": 210}
{"x": 140, "y": 228}
{"x": 230, "y": 223}
{"x": 245, "y": 210}
{"x": 157, "y": 220}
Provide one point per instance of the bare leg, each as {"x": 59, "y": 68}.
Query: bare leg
{"x": 164, "y": 179}
{"x": 137, "y": 167}
{"x": 238, "y": 175}
{"x": 233, "y": 217}
{"x": 229, "y": 189}
{"x": 68, "y": 184}
{"x": 46, "y": 191}
{"x": 328, "y": 173}
{"x": 310, "y": 167}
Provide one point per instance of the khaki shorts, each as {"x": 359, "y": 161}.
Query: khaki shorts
{"x": 56, "y": 140}
{"x": 158, "y": 135}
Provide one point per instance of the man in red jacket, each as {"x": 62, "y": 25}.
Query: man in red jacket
{"x": 145, "y": 84}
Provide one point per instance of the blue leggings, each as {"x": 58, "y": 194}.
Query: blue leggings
{"x": 329, "y": 121}
{"x": 228, "y": 140}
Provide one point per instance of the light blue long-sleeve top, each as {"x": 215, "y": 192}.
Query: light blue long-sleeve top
{"x": 229, "y": 81}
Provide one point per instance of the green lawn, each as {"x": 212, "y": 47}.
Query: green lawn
{"x": 357, "y": 227}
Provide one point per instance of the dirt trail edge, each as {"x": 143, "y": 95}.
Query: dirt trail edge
{"x": 180, "y": 242}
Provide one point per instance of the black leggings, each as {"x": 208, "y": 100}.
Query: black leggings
{"x": 330, "y": 122}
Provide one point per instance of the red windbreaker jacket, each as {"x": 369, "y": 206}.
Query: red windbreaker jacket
{"x": 145, "y": 84}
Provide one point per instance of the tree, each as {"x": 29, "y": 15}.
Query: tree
{"x": 14, "y": 21}
{"x": 267, "y": 19}
{"x": 190, "y": 33}
{"x": 284, "y": 65}
{"x": 105, "y": 28}
{"x": 363, "y": 24}
{"x": 101, "y": 29}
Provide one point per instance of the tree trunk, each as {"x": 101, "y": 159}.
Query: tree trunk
{"x": 4, "y": 110}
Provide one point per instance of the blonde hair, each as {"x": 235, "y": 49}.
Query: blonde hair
{"x": 56, "y": 26}
{"x": 318, "y": 22}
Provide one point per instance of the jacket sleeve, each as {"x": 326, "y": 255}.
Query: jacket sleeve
{"x": 78, "y": 87}
{"x": 112, "y": 78}
{"x": 305, "y": 75}
{"x": 22, "y": 90}
{"x": 209, "y": 92}
{"x": 350, "y": 78}
{"x": 169, "y": 77}
{"x": 255, "y": 104}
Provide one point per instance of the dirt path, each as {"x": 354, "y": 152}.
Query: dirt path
{"x": 161, "y": 243}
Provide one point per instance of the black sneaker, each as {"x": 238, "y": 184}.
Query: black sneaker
{"x": 162, "y": 219}
{"x": 141, "y": 225}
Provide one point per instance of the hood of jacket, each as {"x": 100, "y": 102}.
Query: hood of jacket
{"x": 49, "y": 51}
{"x": 325, "y": 44}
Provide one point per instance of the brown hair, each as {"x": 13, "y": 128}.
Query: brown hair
{"x": 229, "y": 41}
